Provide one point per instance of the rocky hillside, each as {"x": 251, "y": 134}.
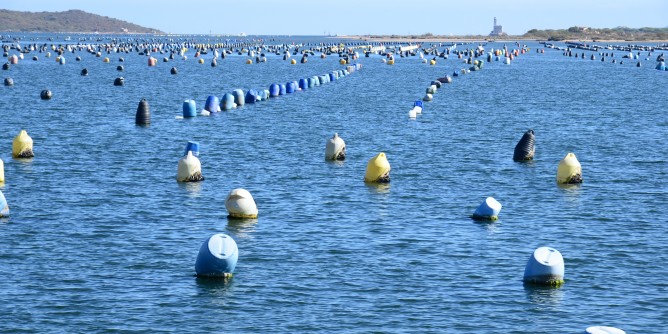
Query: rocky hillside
{"x": 70, "y": 21}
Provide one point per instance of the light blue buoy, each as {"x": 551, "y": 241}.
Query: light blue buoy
{"x": 311, "y": 82}
{"x": 4, "y": 207}
{"x": 227, "y": 102}
{"x": 488, "y": 210}
{"x": 603, "y": 330}
{"x": 274, "y": 90}
{"x": 192, "y": 146}
{"x": 262, "y": 94}
{"x": 239, "y": 97}
{"x": 217, "y": 257}
{"x": 661, "y": 66}
{"x": 189, "y": 108}
{"x": 281, "y": 89}
{"x": 545, "y": 267}
{"x": 212, "y": 104}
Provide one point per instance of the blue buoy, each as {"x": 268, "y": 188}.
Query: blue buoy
{"x": 227, "y": 102}
{"x": 488, "y": 210}
{"x": 212, "y": 104}
{"x": 603, "y": 330}
{"x": 192, "y": 146}
{"x": 189, "y": 108}
{"x": 251, "y": 96}
{"x": 282, "y": 89}
{"x": 332, "y": 76}
{"x": 217, "y": 257}
{"x": 274, "y": 90}
{"x": 310, "y": 82}
{"x": 418, "y": 103}
{"x": 239, "y": 97}
{"x": 290, "y": 87}
{"x": 545, "y": 267}
{"x": 303, "y": 83}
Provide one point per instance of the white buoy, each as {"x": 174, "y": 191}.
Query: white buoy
{"x": 545, "y": 267}
{"x": 189, "y": 169}
{"x": 2, "y": 171}
{"x": 603, "y": 330}
{"x": 428, "y": 97}
{"x": 4, "y": 207}
{"x": 205, "y": 112}
{"x": 217, "y": 257}
{"x": 240, "y": 204}
{"x": 569, "y": 170}
{"x": 488, "y": 210}
{"x": 335, "y": 148}
{"x": 412, "y": 113}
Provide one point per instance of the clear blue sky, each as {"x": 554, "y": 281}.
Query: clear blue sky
{"x": 359, "y": 17}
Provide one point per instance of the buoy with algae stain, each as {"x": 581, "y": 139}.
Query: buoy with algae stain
{"x": 143, "y": 115}
{"x": 545, "y": 267}
{"x": 335, "y": 149}
{"x": 489, "y": 209}
{"x": 569, "y": 170}
{"x": 378, "y": 169}
{"x": 603, "y": 330}
{"x": 189, "y": 169}
{"x": 22, "y": 146}
{"x": 217, "y": 257}
{"x": 240, "y": 204}
{"x": 525, "y": 150}
{"x": 4, "y": 207}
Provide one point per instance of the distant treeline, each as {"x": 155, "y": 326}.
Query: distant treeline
{"x": 594, "y": 34}
{"x": 70, "y": 21}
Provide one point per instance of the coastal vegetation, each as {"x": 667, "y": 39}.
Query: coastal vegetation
{"x": 70, "y": 21}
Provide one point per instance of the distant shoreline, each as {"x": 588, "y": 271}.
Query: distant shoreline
{"x": 437, "y": 39}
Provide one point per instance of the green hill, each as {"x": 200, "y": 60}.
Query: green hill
{"x": 71, "y": 21}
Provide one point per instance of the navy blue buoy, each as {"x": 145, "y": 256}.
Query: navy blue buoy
{"x": 274, "y": 90}
{"x": 45, "y": 94}
{"x": 193, "y": 147}
{"x": 189, "y": 109}
{"x": 525, "y": 150}
{"x": 120, "y": 81}
{"x": 9, "y": 82}
{"x": 120, "y": 68}
{"x": 251, "y": 96}
{"x": 239, "y": 97}
{"x": 173, "y": 70}
{"x": 332, "y": 77}
{"x": 303, "y": 83}
{"x": 227, "y": 102}
{"x": 212, "y": 104}
{"x": 282, "y": 89}
{"x": 5, "y": 66}
{"x": 290, "y": 87}
{"x": 217, "y": 257}
{"x": 143, "y": 115}
{"x": 84, "y": 72}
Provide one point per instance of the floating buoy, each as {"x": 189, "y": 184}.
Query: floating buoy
{"x": 143, "y": 115}
{"x": 9, "y": 82}
{"x": 428, "y": 97}
{"x": 189, "y": 169}
{"x": 22, "y": 146}
{"x": 239, "y": 97}
{"x": 5, "y": 66}
{"x": 390, "y": 62}
{"x": 106, "y": 60}
{"x": 212, "y": 104}
{"x": 120, "y": 68}
{"x": 603, "y": 330}
{"x": 4, "y": 207}
{"x": 251, "y": 96}
{"x": 240, "y": 204}
{"x": 431, "y": 89}
{"x": 274, "y": 90}
{"x": 189, "y": 108}
{"x": 293, "y": 61}
{"x": 489, "y": 209}
{"x": 13, "y": 59}
{"x": 545, "y": 267}
{"x": 417, "y": 106}
{"x": 2, "y": 172}
{"x": 524, "y": 150}
{"x": 35, "y": 58}
{"x": 282, "y": 89}
{"x": 569, "y": 170}
{"x": 290, "y": 87}
{"x": 84, "y": 72}
{"x": 192, "y": 146}
{"x": 151, "y": 61}
{"x": 303, "y": 83}
{"x": 217, "y": 257}
{"x": 335, "y": 149}
{"x": 227, "y": 102}
{"x": 173, "y": 70}
{"x": 61, "y": 60}
{"x": 432, "y": 62}
{"x": 249, "y": 61}
{"x": 378, "y": 169}
{"x": 120, "y": 81}
{"x": 45, "y": 94}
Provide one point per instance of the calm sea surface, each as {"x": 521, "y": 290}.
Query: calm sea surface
{"x": 103, "y": 239}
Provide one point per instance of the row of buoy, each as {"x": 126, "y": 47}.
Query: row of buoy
{"x": 238, "y": 97}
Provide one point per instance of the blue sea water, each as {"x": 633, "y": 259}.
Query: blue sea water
{"x": 102, "y": 238}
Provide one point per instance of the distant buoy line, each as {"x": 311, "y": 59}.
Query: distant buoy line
{"x": 630, "y": 54}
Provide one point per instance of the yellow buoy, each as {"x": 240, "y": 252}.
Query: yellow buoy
{"x": 201, "y": 61}
{"x": 249, "y": 61}
{"x": 390, "y": 62}
{"x": 432, "y": 62}
{"x": 106, "y": 59}
{"x": 569, "y": 170}
{"x": 293, "y": 61}
{"x": 378, "y": 169}
{"x": 342, "y": 61}
{"x": 22, "y": 146}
